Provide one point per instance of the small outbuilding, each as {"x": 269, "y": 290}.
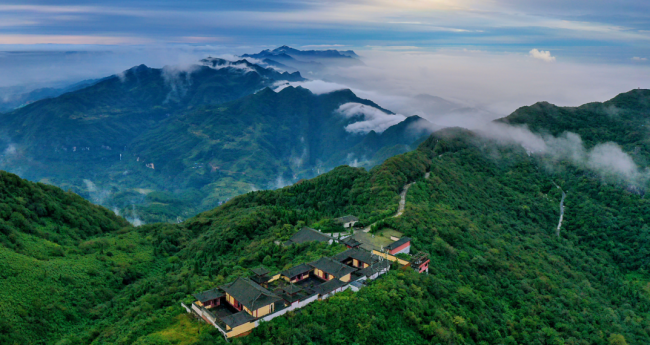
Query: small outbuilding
{"x": 403, "y": 245}
{"x": 308, "y": 235}
{"x": 347, "y": 221}
{"x": 210, "y": 298}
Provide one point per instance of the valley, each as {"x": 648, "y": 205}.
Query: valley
{"x": 498, "y": 271}
{"x": 144, "y": 193}
{"x": 165, "y": 144}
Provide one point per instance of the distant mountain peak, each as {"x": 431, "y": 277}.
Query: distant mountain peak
{"x": 283, "y": 48}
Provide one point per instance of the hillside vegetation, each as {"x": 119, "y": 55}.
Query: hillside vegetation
{"x": 166, "y": 144}
{"x": 487, "y": 216}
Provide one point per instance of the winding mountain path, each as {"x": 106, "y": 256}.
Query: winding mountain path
{"x": 402, "y": 203}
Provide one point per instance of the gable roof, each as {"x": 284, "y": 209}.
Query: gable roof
{"x": 260, "y": 271}
{"x": 350, "y": 241}
{"x": 249, "y": 293}
{"x": 355, "y": 253}
{"x": 291, "y": 289}
{"x": 296, "y": 270}
{"x": 237, "y": 319}
{"x": 346, "y": 219}
{"x": 329, "y": 286}
{"x": 332, "y": 267}
{"x": 209, "y": 295}
{"x": 398, "y": 243}
{"x": 372, "y": 269}
{"x": 309, "y": 235}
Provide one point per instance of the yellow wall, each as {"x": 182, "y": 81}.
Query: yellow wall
{"x": 241, "y": 329}
{"x": 230, "y": 299}
{"x": 264, "y": 311}
{"x": 365, "y": 265}
{"x": 261, "y": 311}
{"x": 391, "y": 257}
{"x": 275, "y": 277}
{"x": 346, "y": 278}
{"x": 355, "y": 262}
{"x": 320, "y": 273}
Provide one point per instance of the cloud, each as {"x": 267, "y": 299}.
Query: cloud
{"x": 369, "y": 118}
{"x": 10, "y": 150}
{"x": 317, "y": 87}
{"x": 97, "y": 195}
{"x": 482, "y": 86}
{"x": 610, "y": 159}
{"x": 636, "y": 58}
{"x": 389, "y": 78}
{"x": 178, "y": 78}
{"x": 542, "y": 55}
{"x": 71, "y": 39}
{"x": 239, "y": 66}
{"x": 606, "y": 159}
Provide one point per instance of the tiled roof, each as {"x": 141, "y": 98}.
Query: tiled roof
{"x": 350, "y": 241}
{"x": 346, "y": 219}
{"x": 296, "y": 270}
{"x": 309, "y": 235}
{"x": 398, "y": 243}
{"x": 237, "y": 319}
{"x": 260, "y": 271}
{"x": 291, "y": 289}
{"x": 249, "y": 293}
{"x": 329, "y": 286}
{"x": 332, "y": 267}
{"x": 208, "y": 295}
{"x": 354, "y": 253}
{"x": 372, "y": 269}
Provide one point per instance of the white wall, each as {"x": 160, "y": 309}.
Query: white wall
{"x": 288, "y": 309}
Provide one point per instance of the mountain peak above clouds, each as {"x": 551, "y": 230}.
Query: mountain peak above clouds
{"x": 306, "y": 60}
{"x": 330, "y": 53}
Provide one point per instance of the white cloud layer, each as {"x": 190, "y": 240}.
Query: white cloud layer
{"x": 317, "y": 87}
{"x": 479, "y": 86}
{"x": 608, "y": 159}
{"x": 370, "y": 118}
{"x": 542, "y": 55}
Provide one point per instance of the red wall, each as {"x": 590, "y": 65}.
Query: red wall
{"x": 400, "y": 247}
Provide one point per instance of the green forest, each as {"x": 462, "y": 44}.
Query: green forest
{"x": 74, "y": 273}
{"x": 161, "y": 145}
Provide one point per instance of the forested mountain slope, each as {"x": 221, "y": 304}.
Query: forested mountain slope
{"x": 59, "y": 256}
{"x": 487, "y": 216}
{"x": 98, "y": 121}
{"x": 286, "y": 135}
{"x": 625, "y": 119}
{"x": 166, "y": 144}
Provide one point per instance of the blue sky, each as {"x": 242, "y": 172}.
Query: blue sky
{"x": 596, "y": 29}
{"x": 497, "y": 54}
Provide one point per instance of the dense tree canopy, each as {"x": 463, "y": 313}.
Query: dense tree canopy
{"x": 487, "y": 216}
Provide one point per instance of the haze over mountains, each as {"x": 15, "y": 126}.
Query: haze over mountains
{"x": 192, "y": 143}
{"x": 180, "y": 140}
{"x": 484, "y": 205}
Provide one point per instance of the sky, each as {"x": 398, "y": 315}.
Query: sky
{"x": 497, "y": 54}
{"x": 615, "y": 30}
